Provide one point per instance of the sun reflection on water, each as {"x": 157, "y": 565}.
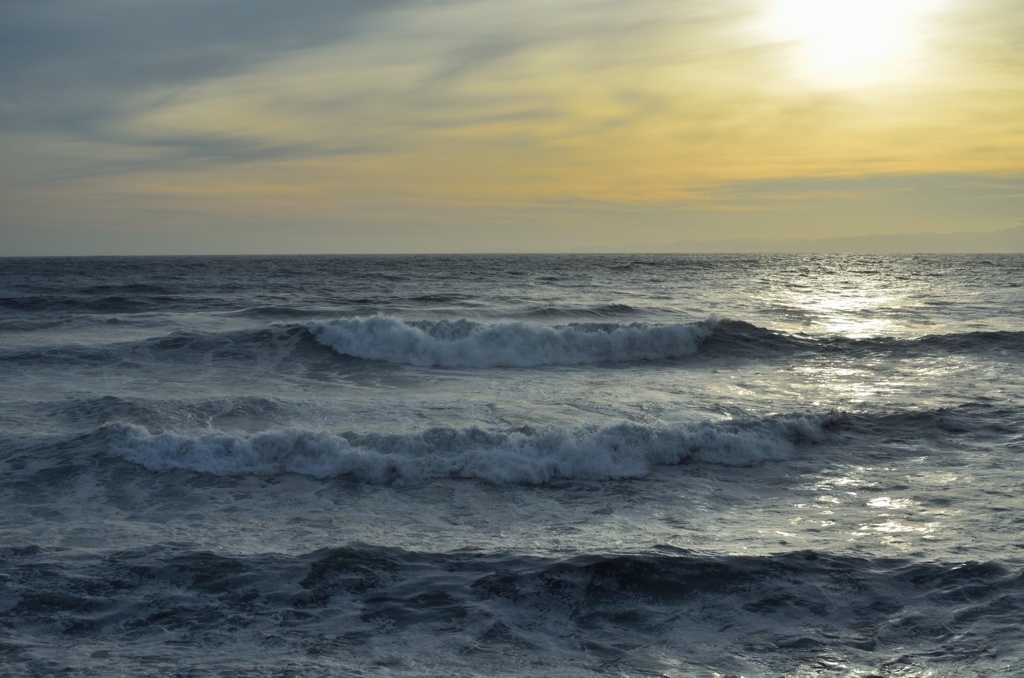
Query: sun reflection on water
{"x": 855, "y": 314}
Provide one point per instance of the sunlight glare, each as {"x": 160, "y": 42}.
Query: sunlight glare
{"x": 849, "y": 42}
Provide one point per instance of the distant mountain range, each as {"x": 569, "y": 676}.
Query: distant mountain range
{"x": 1007, "y": 241}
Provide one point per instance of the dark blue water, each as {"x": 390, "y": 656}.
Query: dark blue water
{"x": 496, "y": 465}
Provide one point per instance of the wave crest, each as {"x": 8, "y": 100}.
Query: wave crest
{"x": 464, "y": 343}
{"x": 528, "y": 456}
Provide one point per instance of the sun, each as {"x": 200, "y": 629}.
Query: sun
{"x": 849, "y": 42}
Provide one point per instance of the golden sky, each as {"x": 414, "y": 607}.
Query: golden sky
{"x": 355, "y": 126}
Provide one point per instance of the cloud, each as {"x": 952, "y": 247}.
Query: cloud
{"x": 224, "y": 81}
{"x": 328, "y": 107}
{"x": 69, "y": 65}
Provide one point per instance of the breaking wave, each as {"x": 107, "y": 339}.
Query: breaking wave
{"x": 529, "y": 456}
{"x": 464, "y": 343}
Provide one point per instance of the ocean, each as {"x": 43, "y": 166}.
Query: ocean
{"x": 536, "y": 465}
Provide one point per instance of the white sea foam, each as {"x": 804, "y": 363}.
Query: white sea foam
{"x": 463, "y": 343}
{"x": 525, "y": 456}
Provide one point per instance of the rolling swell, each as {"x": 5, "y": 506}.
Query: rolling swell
{"x": 464, "y": 343}
{"x": 187, "y": 347}
{"x": 459, "y": 343}
{"x": 104, "y": 303}
{"x": 628, "y": 612}
{"x": 468, "y": 344}
{"x": 531, "y": 456}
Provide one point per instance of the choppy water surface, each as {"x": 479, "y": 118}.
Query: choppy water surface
{"x": 514, "y": 465}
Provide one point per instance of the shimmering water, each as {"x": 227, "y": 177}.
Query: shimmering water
{"x": 512, "y": 465}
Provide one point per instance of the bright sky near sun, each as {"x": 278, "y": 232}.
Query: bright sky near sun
{"x": 477, "y": 125}
{"x": 843, "y": 43}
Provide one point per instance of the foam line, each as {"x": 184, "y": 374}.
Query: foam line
{"x": 522, "y": 456}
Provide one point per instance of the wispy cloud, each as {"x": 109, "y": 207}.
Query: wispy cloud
{"x": 69, "y": 66}
{"x": 325, "y": 109}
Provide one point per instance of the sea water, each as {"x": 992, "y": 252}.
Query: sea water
{"x": 512, "y": 465}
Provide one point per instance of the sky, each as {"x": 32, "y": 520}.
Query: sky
{"x": 352, "y": 126}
